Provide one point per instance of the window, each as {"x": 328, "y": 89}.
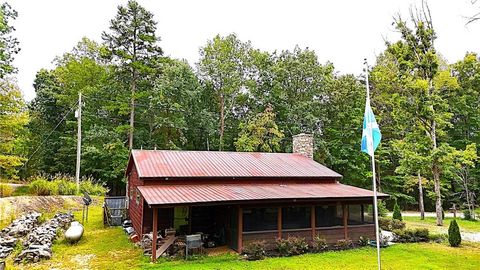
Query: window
{"x": 296, "y": 217}
{"x": 260, "y": 219}
{"x": 328, "y": 215}
{"x": 131, "y": 193}
{"x": 138, "y": 197}
{"x": 368, "y": 214}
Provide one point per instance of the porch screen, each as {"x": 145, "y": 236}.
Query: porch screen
{"x": 259, "y": 219}
{"x": 360, "y": 214}
{"x": 295, "y": 217}
{"x": 329, "y": 215}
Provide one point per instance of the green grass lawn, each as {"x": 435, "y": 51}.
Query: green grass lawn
{"x": 399, "y": 256}
{"x": 430, "y": 224}
{"x": 109, "y": 248}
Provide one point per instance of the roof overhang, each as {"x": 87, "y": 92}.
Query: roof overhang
{"x": 209, "y": 194}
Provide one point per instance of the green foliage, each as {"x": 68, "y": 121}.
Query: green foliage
{"x": 8, "y": 43}
{"x": 454, "y": 237}
{"x": 388, "y": 224}
{"x": 13, "y": 119}
{"x": 411, "y": 235}
{"x": 255, "y": 250}
{"x": 5, "y": 190}
{"x": 344, "y": 244}
{"x": 260, "y": 134}
{"x": 397, "y": 214}
{"x": 467, "y": 215}
{"x": 291, "y": 246}
{"x": 319, "y": 244}
{"x": 363, "y": 241}
{"x": 64, "y": 185}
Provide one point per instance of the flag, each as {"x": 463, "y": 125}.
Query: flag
{"x": 371, "y": 135}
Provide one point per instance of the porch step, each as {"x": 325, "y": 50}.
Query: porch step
{"x": 167, "y": 242}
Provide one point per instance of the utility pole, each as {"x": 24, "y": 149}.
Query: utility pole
{"x": 79, "y": 140}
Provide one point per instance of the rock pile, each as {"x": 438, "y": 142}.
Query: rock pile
{"x": 38, "y": 243}
{"x": 18, "y": 228}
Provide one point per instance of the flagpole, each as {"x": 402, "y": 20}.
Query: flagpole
{"x": 375, "y": 207}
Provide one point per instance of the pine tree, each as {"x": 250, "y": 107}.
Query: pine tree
{"x": 454, "y": 237}
{"x": 397, "y": 214}
{"x": 133, "y": 46}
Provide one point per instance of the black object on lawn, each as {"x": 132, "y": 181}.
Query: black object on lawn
{"x": 87, "y": 200}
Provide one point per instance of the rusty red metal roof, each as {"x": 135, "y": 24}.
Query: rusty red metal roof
{"x": 167, "y": 163}
{"x": 224, "y": 193}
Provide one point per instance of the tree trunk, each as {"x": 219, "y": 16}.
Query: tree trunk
{"x": 222, "y": 120}
{"x": 132, "y": 110}
{"x": 420, "y": 197}
{"x": 438, "y": 199}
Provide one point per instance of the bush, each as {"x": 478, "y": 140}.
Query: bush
{"x": 291, "y": 246}
{"x": 438, "y": 237}
{"x": 64, "y": 185}
{"x": 255, "y": 250}
{"x": 397, "y": 214}
{"x": 411, "y": 235}
{"x": 363, "y": 241}
{"x": 454, "y": 237}
{"x": 88, "y": 185}
{"x": 343, "y": 244}
{"x": 388, "y": 224}
{"x": 382, "y": 209}
{"x": 466, "y": 215}
{"x": 42, "y": 187}
{"x": 319, "y": 244}
{"x": 5, "y": 190}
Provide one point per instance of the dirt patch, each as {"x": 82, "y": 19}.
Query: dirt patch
{"x": 82, "y": 261}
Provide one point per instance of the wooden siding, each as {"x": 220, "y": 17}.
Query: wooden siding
{"x": 354, "y": 232}
{"x": 135, "y": 211}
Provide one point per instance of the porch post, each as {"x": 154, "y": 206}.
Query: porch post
{"x": 279, "y": 222}
{"x": 154, "y": 234}
{"x": 345, "y": 219}
{"x": 312, "y": 221}
{"x": 240, "y": 229}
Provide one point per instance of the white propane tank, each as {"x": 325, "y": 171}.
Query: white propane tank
{"x": 74, "y": 233}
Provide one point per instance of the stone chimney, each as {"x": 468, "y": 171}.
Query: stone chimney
{"x": 303, "y": 144}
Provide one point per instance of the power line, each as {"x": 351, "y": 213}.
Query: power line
{"x": 48, "y": 136}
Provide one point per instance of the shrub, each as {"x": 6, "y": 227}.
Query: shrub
{"x": 5, "y": 190}
{"x": 92, "y": 188}
{"x": 66, "y": 186}
{"x": 255, "y": 250}
{"x": 438, "y": 237}
{"x": 466, "y": 214}
{"x": 363, "y": 241}
{"x": 411, "y": 235}
{"x": 291, "y": 246}
{"x": 388, "y": 224}
{"x": 397, "y": 214}
{"x": 343, "y": 244}
{"x": 319, "y": 244}
{"x": 42, "y": 187}
{"x": 454, "y": 237}
{"x": 382, "y": 209}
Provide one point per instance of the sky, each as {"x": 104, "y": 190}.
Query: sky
{"x": 343, "y": 32}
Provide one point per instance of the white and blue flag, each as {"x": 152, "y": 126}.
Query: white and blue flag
{"x": 371, "y": 135}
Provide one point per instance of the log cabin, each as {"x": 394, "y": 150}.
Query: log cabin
{"x": 240, "y": 197}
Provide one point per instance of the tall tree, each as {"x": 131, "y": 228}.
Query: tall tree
{"x": 260, "y": 134}
{"x": 8, "y": 43}
{"x": 132, "y": 44}
{"x": 222, "y": 66}
{"x": 427, "y": 85}
{"x": 13, "y": 118}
